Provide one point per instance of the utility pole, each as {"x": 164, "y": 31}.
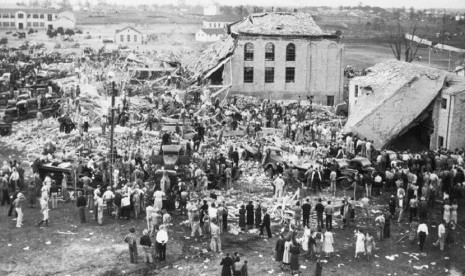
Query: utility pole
{"x": 113, "y": 94}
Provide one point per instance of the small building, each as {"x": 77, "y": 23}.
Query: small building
{"x": 401, "y": 105}
{"x": 65, "y": 21}
{"x": 129, "y": 35}
{"x": 20, "y": 18}
{"x": 210, "y": 34}
{"x": 277, "y": 55}
{"x": 214, "y": 28}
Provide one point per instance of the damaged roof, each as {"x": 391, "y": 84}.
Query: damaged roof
{"x": 214, "y": 31}
{"x": 216, "y": 54}
{"x": 276, "y": 23}
{"x": 401, "y": 91}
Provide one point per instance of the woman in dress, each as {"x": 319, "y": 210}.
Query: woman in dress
{"x": 360, "y": 243}
{"x": 318, "y": 240}
{"x": 453, "y": 212}
{"x": 242, "y": 217}
{"x": 447, "y": 212}
{"x": 295, "y": 251}
{"x": 305, "y": 238}
{"x": 369, "y": 244}
{"x": 328, "y": 241}
{"x": 286, "y": 255}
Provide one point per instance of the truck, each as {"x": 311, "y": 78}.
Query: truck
{"x": 27, "y": 109}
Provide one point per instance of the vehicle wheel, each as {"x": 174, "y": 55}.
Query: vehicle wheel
{"x": 345, "y": 184}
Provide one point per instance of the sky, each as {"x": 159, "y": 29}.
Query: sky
{"x": 417, "y": 4}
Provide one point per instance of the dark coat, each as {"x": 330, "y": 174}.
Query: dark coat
{"x": 295, "y": 251}
{"x": 250, "y": 214}
{"x": 279, "y": 250}
{"x": 242, "y": 218}
{"x": 258, "y": 216}
{"x": 227, "y": 264}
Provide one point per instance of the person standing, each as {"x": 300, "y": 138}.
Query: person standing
{"x": 250, "y": 214}
{"x": 453, "y": 211}
{"x": 297, "y": 213}
{"x": 400, "y": 198}
{"x": 81, "y": 203}
{"x": 18, "y": 203}
{"x": 146, "y": 244}
{"x": 242, "y": 222}
{"x": 319, "y": 208}
{"x": 244, "y": 269}
{"x": 413, "y": 207}
{"x": 369, "y": 244}
{"x": 99, "y": 203}
{"x": 258, "y": 215}
{"x": 215, "y": 243}
{"x": 266, "y": 224}
{"x": 108, "y": 197}
{"x": 279, "y": 249}
{"x": 161, "y": 240}
{"x": 328, "y": 240}
{"x": 306, "y": 209}
{"x": 441, "y": 236}
{"x": 227, "y": 264}
{"x": 366, "y": 205}
{"x": 422, "y": 233}
{"x": 387, "y": 225}
{"x": 294, "y": 251}
{"x": 360, "y": 243}
{"x": 44, "y": 210}
{"x": 131, "y": 239}
{"x": 332, "y": 178}
{"x": 32, "y": 194}
{"x": 446, "y": 210}
{"x": 286, "y": 254}
{"x": 380, "y": 221}
{"x": 195, "y": 222}
{"x": 329, "y": 210}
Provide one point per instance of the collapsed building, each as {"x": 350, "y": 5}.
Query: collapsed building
{"x": 275, "y": 55}
{"x": 402, "y": 105}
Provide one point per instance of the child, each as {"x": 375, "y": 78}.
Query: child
{"x": 18, "y": 203}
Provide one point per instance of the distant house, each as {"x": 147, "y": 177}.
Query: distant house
{"x": 401, "y": 105}
{"x": 129, "y": 35}
{"x": 210, "y": 34}
{"x": 214, "y": 28}
{"x": 65, "y": 20}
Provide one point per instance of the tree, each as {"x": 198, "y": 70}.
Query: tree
{"x": 402, "y": 47}
{"x": 50, "y": 33}
{"x": 226, "y": 10}
{"x": 69, "y": 32}
{"x": 412, "y": 14}
{"x": 35, "y": 3}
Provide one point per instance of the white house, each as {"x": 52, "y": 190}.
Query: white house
{"x": 214, "y": 28}
{"x": 129, "y": 35}
{"x": 64, "y": 22}
{"x": 209, "y": 34}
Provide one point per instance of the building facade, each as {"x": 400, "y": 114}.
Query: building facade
{"x": 286, "y": 55}
{"x": 129, "y": 36}
{"x": 21, "y": 18}
{"x": 210, "y": 35}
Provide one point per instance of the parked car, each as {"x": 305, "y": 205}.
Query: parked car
{"x": 361, "y": 164}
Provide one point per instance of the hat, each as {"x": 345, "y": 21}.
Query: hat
{"x": 132, "y": 230}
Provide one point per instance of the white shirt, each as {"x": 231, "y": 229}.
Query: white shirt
{"x": 107, "y": 195}
{"x": 212, "y": 212}
{"x": 422, "y": 228}
{"x": 158, "y": 194}
{"x": 162, "y": 236}
{"x": 441, "y": 230}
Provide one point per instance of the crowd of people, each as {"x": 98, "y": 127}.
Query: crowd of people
{"x": 142, "y": 187}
